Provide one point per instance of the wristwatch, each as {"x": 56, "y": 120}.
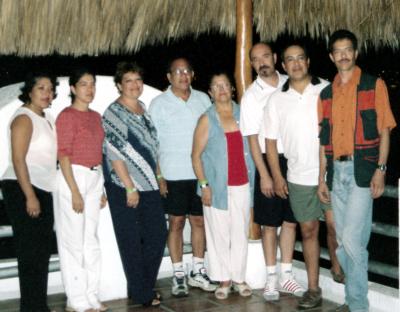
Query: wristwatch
{"x": 381, "y": 167}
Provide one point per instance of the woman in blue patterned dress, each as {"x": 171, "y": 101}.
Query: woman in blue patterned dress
{"x": 133, "y": 190}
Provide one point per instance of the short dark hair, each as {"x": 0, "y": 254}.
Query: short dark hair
{"x": 342, "y": 34}
{"x": 220, "y": 73}
{"x": 268, "y": 44}
{"x": 294, "y": 44}
{"x": 30, "y": 81}
{"x": 76, "y": 75}
{"x": 172, "y": 60}
{"x": 126, "y": 67}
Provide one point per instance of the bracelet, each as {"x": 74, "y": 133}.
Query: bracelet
{"x": 204, "y": 185}
{"x": 159, "y": 176}
{"x": 202, "y": 182}
{"x": 131, "y": 190}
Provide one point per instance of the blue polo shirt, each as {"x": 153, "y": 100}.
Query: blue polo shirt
{"x": 175, "y": 121}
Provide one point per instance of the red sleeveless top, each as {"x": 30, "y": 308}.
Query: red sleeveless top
{"x": 237, "y": 170}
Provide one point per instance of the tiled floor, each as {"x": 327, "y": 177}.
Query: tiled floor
{"x": 196, "y": 301}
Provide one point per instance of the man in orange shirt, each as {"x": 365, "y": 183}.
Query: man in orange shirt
{"x": 355, "y": 119}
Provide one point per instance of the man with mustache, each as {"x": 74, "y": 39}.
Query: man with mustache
{"x": 270, "y": 211}
{"x": 355, "y": 123}
{"x": 174, "y": 114}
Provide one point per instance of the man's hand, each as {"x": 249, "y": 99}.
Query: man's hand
{"x": 377, "y": 184}
{"x": 323, "y": 193}
{"x": 206, "y": 196}
{"x": 267, "y": 186}
{"x": 281, "y": 188}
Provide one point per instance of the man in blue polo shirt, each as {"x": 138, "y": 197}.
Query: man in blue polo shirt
{"x": 175, "y": 113}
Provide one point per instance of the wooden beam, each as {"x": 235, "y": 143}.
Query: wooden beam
{"x": 244, "y": 35}
{"x": 244, "y": 41}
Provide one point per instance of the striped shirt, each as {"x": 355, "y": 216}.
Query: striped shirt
{"x": 131, "y": 138}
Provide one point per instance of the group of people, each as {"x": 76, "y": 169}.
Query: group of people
{"x": 297, "y": 149}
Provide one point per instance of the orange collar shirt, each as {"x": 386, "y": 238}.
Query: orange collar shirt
{"x": 344, "y": 112}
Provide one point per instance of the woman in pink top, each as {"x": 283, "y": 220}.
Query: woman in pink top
{"x": 79, "y": 194}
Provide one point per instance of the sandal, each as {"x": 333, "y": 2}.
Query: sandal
{"x": 338, "y": 277}
{"x": 243, "y": 289}
{"x": 155, "y": 302}
{"x": 222, "y": 293}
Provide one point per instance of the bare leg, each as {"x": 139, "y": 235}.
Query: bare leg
{"x": 175, "y": 237}
{"x": 198, "y": 235}
{"x": 309, "y": 232}
{"x": 287, "y": 239}
{"x": 269, "y": 240}
{"x": 331, "y": 241}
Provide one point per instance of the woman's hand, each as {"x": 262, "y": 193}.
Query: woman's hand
{"x": 132, "y": 199}
{"x": 103, "y": 200}
{"x": 77, "y": 202}
{"x": 33, "y": 207}
{"x": 206, "y": 196}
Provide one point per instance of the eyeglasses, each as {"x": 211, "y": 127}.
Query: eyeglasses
{"x": 182, "y": 71}
{"x": 221, "y": 86}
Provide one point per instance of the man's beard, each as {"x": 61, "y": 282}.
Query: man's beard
{"x": 264, "y": 71}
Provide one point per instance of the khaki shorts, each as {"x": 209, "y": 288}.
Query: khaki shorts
{"x": 305, "y": 203}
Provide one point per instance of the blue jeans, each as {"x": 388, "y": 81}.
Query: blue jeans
{"x": 352, "y": 210}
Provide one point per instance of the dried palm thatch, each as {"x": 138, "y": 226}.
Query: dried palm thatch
{"x": 76, "y": 27}
{"x": 375, "y": 22}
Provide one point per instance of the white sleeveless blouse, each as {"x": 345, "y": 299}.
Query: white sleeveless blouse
{"x": 41, "y": 158}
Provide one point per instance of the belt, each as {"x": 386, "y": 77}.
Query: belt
{"x": 345, "y": 158}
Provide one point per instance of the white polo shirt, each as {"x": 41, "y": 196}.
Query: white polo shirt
{"x": 252, "y": 108}
{"x": 293, "y": 118}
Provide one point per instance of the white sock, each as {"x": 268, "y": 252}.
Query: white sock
{"x": 178, "y": 267}
{"x": 271, "y": 269}
{"x": 286, "y": 267}
{"x": 198, "y": 264}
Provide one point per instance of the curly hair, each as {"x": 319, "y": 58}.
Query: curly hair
{"x": 30, "y": 81}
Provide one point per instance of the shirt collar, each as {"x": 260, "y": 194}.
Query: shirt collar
{"x": 355, "y": 78}
{"x": 314, "y": 81}
{"x": 263, "y": 85}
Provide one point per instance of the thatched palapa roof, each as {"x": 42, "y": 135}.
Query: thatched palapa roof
{"x": 76, "y": 27}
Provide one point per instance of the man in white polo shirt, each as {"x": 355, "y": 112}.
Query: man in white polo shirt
{"x": 291, "y": 116}
{"x": 270, "y": 211}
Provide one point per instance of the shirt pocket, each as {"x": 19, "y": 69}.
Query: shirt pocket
{"x": 369, "y": 119}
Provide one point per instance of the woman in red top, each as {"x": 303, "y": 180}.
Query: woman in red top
{"x": 79, "y": 194}
{"x": 223, "y": 165}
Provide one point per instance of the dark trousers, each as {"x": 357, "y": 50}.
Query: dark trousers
{"x": 33, "y": 238}
{"x": 141, "y": 234}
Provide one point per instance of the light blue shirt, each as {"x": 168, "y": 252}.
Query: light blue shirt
{"x": 175, "y": 121}
{"x": 215, "y": 160}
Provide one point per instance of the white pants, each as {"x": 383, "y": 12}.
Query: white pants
{"x": 78, "y": 245}
{"x": 226, "y": 234}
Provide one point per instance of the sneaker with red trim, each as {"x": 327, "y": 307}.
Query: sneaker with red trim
{"x": 288, "y": 284}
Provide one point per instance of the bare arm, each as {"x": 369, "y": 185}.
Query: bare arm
{"x": 280, "y": 185}
{"x": 377, "y": 184}
{"x": 266, "y": 183}
{"x": 21, "y": 134}
{"x": 199, "y": 143}
{"x": 323, "y": 191}
{"x": 66, "y": 169}
{"x": 162, "y": 184}
{"x": 132, "y": 197}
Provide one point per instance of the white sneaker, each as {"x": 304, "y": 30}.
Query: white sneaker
{"x": 179, "y": 286}
{"x": 201, "y": 280}
{"x": 288, "y": 284}
{"x": 271, "y": 292}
